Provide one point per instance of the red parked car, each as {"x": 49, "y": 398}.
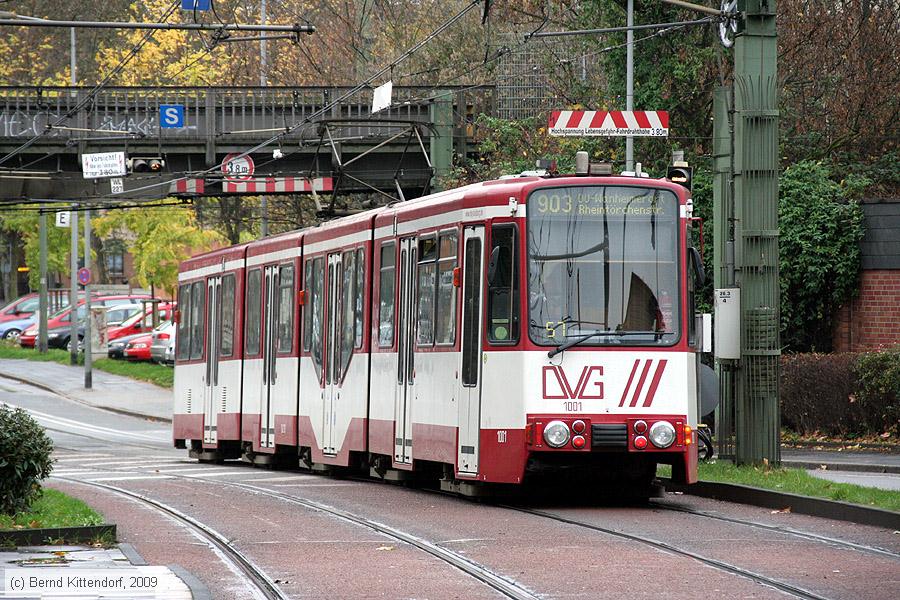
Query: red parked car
{"x": 63, "y": 317}
{"x": 19, "y": 308}
{"x": 141, "y": 323}
{"x": 139, "y": 348}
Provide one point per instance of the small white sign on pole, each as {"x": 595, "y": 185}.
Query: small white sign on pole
{"x": 381, "y": 97}
{"x": 98, "y": 331}
{"x": 62, "y": 218}
{"x": 116, "y": 185}
{"x": 103, "y": 164}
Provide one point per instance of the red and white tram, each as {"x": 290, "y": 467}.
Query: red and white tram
{"x": 526, "y": 325}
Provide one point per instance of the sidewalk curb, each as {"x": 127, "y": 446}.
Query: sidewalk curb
{"x": 855, "y": 467}
{"x": 47, "y": 388}
{"x": 38, "y": 537}
{"x": 804, "y": 505}
{"x": 198, "y": 589}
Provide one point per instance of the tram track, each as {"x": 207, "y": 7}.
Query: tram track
{"x": 253, "y": 576}
{"x": 507, "y": 587}
{"x": 781, "y": 586}
{"x": 783, "y": 530}
{"x": 501, "y": 584}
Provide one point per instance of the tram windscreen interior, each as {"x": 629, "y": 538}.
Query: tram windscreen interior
{"x": 603, "y": 259}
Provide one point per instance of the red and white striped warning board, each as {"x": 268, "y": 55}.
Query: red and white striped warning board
{"x": 187, "y": 186}
{"x": 278, "y": 185}
{"x": 647, "y": 123}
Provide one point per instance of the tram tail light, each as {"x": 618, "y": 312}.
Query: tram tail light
{"x": 457, "y": 279}
{"x": 301, "y": 297}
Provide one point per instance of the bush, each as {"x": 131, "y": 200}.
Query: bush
{"x": 821, "y": 227}
{"x": 878, "y": 390}
{"x": 24, "y": 459}
{"x": 817, "y": 393}
{"x": 841, "y": 394}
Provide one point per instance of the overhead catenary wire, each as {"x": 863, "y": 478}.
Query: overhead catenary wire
{"x": 326, "y": 108}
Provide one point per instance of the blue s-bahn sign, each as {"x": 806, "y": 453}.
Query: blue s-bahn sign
{"x": 171, "y": 115}
{"x": 195, "y": 4}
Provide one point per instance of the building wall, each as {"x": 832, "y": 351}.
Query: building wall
{"x": 872, "y": 320}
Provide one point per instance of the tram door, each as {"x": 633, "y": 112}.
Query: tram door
{"x": 213, "y": 344}
{"x": 332, "y": 391}
{"x": 470, "y": 367}
{"x": 406, "y": 332}
{"x": 269, "y": 371}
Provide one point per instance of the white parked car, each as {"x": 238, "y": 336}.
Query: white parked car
{"x": 163, "y": 338}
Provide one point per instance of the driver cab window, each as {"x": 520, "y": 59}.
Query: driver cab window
{"x": 503, "y": 286}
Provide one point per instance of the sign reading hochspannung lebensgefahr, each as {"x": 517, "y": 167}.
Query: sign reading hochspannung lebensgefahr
{"x": 103, "y": 164}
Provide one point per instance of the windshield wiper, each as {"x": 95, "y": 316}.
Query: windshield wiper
{"x": 583, "y": 338}
{"x": 596, "y": 248}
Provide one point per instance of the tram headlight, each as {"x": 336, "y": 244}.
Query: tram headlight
{"x": 662, "y": 434}
{"x": 556, "y": 434}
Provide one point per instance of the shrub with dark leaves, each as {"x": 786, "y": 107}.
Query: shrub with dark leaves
{"x": 841, "y": 394}
{"x": 817, "y": 393}
{"x": 24, "y": 459}
{"x": 878, "y": 390}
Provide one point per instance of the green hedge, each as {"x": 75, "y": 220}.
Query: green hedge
{"x": 841, "y": 394}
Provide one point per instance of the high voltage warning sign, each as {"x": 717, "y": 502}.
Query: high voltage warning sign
{"x": 643, "y": 123}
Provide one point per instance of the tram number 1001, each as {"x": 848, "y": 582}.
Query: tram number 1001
{"x": 572, "y": 406}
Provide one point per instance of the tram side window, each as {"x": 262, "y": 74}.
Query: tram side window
{"x": 285, "y": 326}
{"x": 425, "y": 291}
{"x": 386, "y": 296}
{"x": 251, "y": 332}
{"x": 227, "y": 322}
{"x": 317, "y": 308}
{"x": 446, "y": 292}
{"x": 184, "y": 322}
{"x": 308, "y": 284}
{"x": 503, "y": 286}
{"x": 198, "y": 301}
{"x": 360, "y": 288}
{"x": 348, "y": 306}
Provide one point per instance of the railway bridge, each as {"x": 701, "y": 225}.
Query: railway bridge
{"x": 327, "y": 143}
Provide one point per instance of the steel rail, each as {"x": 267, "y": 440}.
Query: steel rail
{"x": 781, "y": 586}
{"x": 784, "y": 530}
{"x": 252, "y": 573}
{"x": 507, "y": 587}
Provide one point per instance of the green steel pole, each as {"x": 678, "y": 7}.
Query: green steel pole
{"x": 757, "y": 414}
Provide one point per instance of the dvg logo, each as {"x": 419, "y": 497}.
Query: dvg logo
{"x": 557, "y": 385}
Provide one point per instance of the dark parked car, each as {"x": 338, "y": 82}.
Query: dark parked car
{"x": 116, "y": 348}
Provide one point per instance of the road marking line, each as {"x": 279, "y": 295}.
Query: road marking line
{"x": 312, "y": 484}
{"x": 284, "y": 478}
{"x": 195, "y": 470}
{"x": 129, "y": 478}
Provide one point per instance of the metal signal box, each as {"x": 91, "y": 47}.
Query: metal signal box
{"x": 728, "y": 323}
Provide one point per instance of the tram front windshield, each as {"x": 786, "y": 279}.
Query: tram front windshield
{"x": 602, "y": 266}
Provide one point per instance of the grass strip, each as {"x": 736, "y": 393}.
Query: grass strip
{"x": 793, "y": 481}
{"x": 53, "y": 509}
{"x": 143, "y": 371}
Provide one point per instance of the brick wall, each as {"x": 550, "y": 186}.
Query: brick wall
{"x": 872, "y": 320}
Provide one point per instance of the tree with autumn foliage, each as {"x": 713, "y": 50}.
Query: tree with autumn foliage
{"x": 158, "y": 239}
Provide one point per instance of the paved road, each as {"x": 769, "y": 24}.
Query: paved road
{"x": 309, "y": 535}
